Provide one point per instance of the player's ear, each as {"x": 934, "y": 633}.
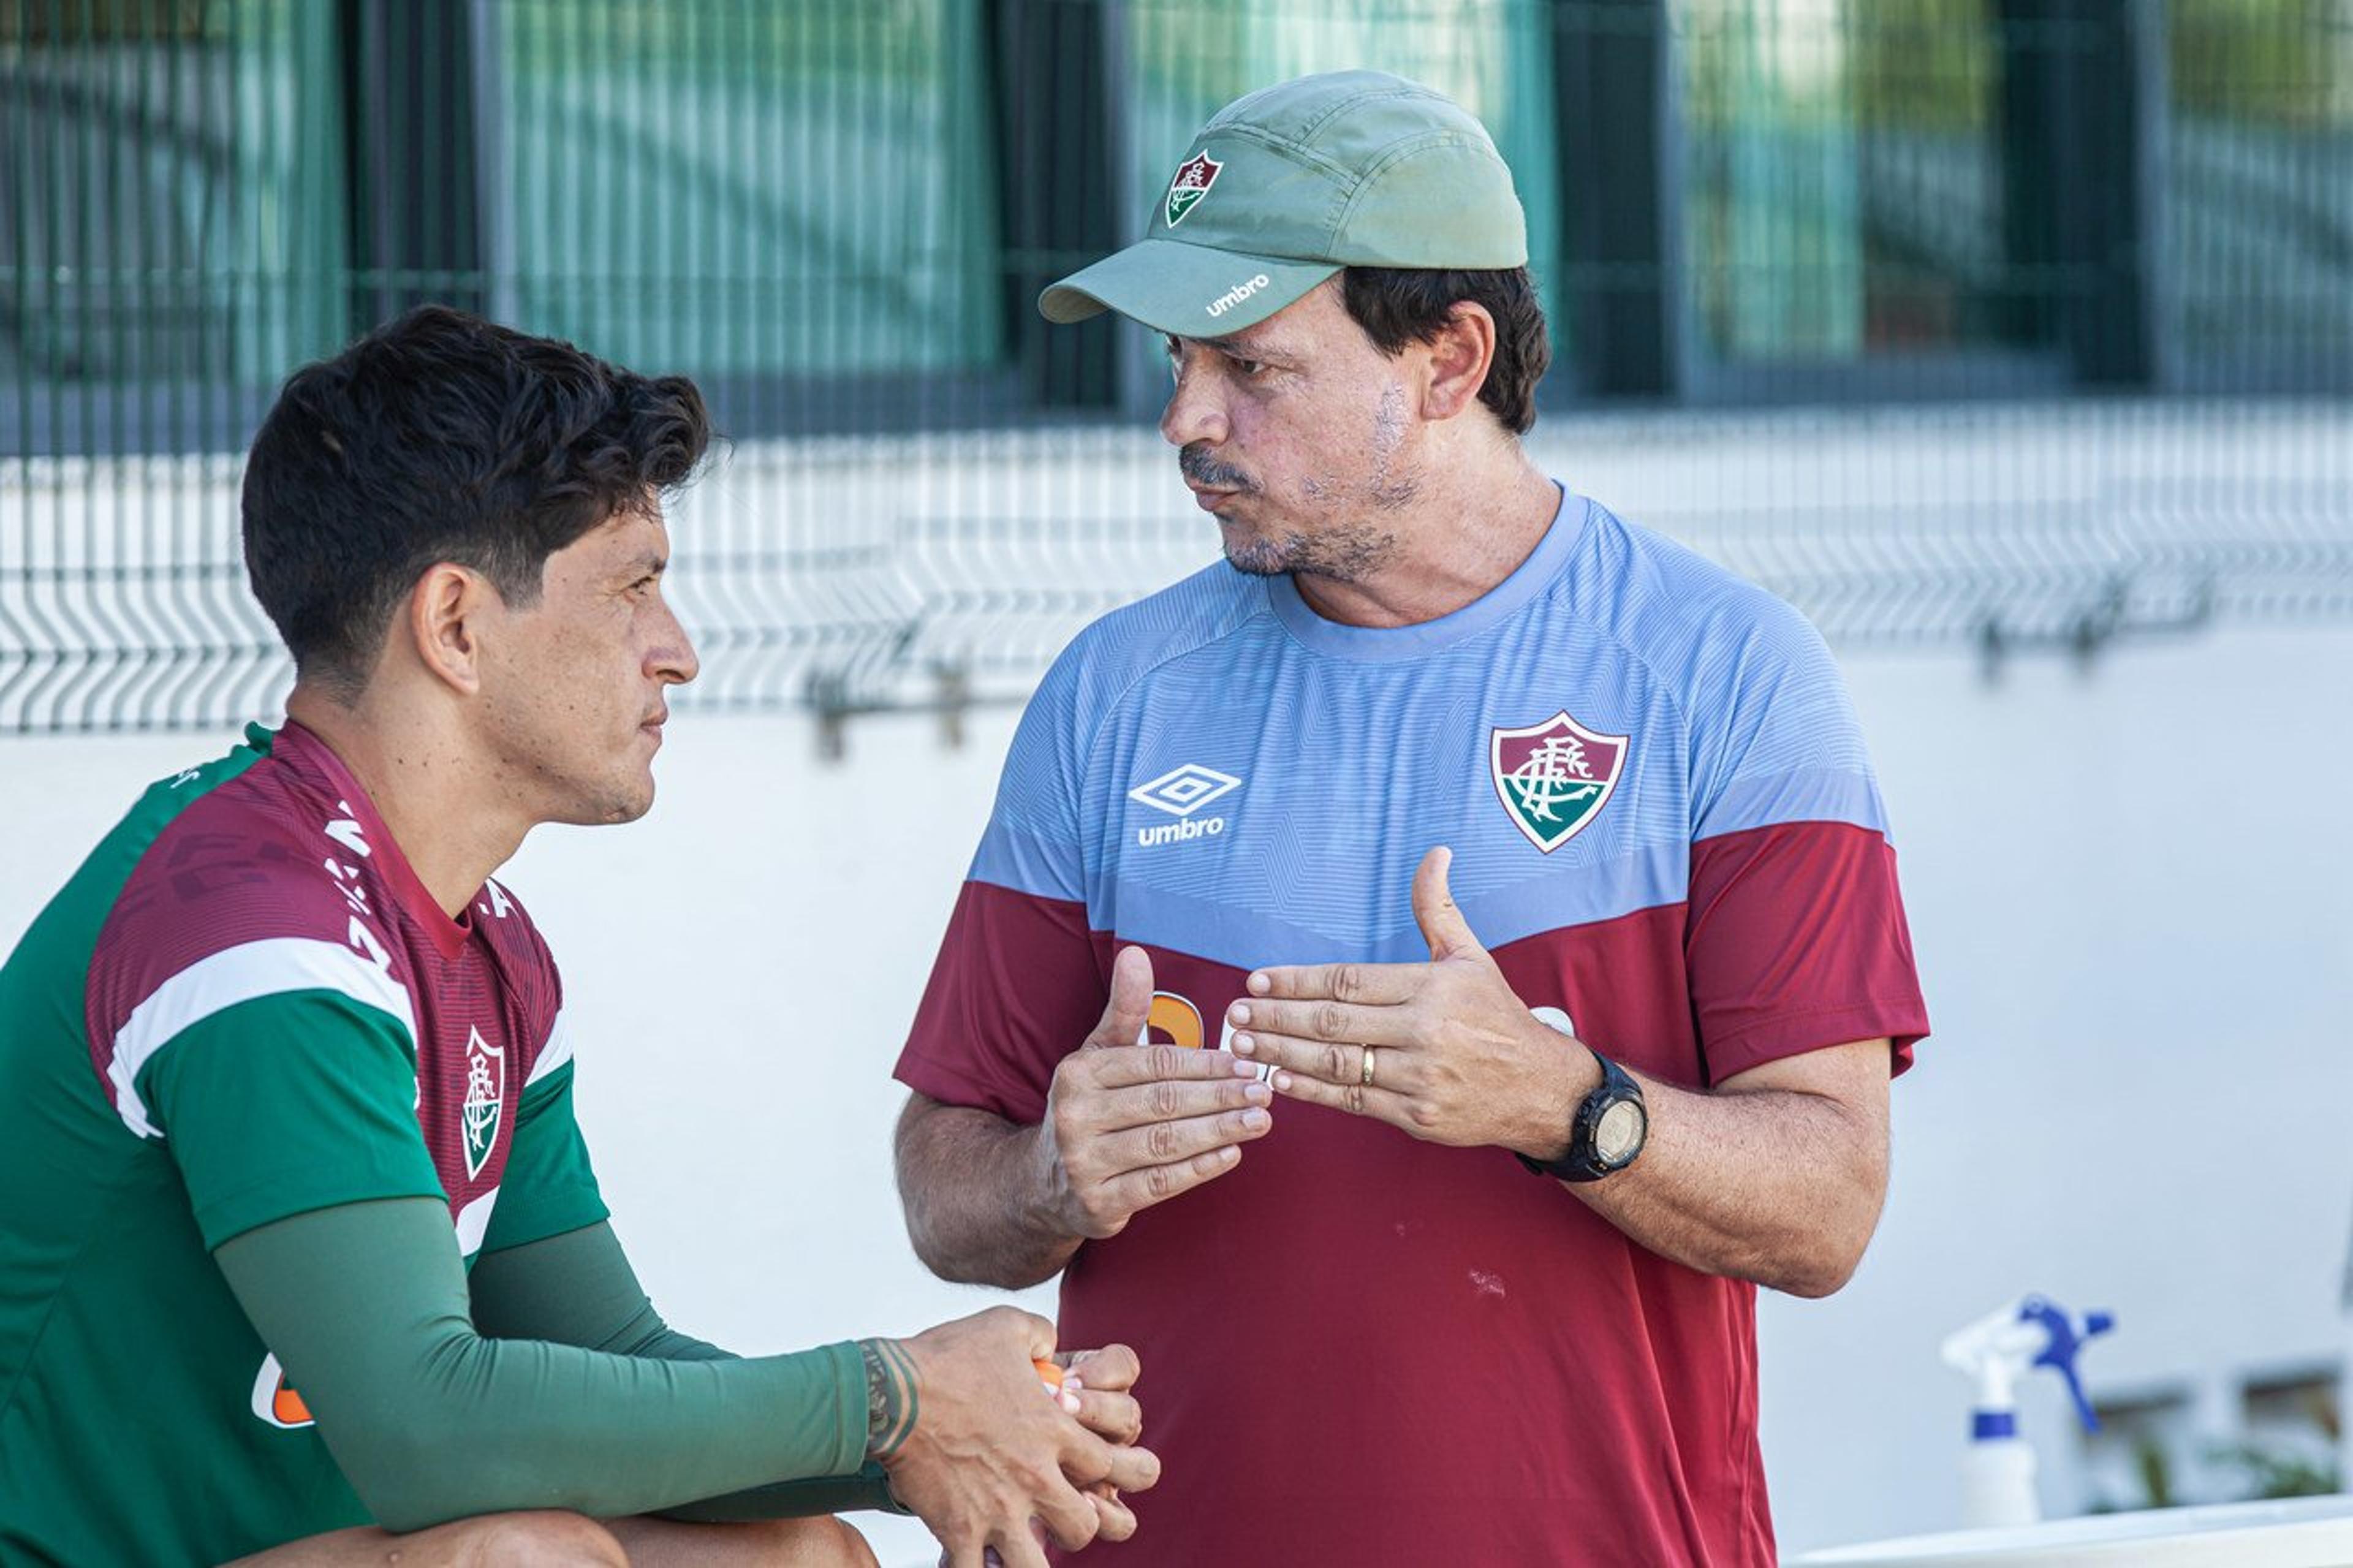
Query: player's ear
{"x": 447, "y": 609}
{"x": 1459, "y": 358}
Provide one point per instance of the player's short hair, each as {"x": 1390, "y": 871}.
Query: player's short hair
{"x": 1397, "y": 306}
{"x": 442, "y": 436}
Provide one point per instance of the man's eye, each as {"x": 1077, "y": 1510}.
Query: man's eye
{"x": 1248, "y": 366}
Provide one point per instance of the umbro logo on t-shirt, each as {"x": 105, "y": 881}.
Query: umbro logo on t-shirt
{"x": 1181, "y": 792}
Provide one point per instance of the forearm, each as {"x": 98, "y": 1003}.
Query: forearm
{"x": 577, "y": 1289}
{"x": 431, "y": 1420}
{"x": 580, "y": 1288}
{"x": 488, "y": 1425}
{"x": 1777, "y": 1186}
{"x": 980, "y": 1203}
{"x": 867, "y": 1488}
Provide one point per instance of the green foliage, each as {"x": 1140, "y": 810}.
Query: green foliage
{"x": 2156, "y": 1472}
{"x": 2282, "y": 61}
{"x": 2277, "y": 1472}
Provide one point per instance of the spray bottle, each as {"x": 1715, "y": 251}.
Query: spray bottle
{"x": 1997, "y": 1467}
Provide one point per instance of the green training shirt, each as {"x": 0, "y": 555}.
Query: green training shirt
{"x": 244, "y": 1007}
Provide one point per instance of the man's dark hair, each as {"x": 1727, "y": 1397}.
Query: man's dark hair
{"x": 1397, "y": 306}
{"x": 442, "y": 436}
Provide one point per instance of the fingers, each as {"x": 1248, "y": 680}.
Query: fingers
{"x": 1112, "y": 1368}
{"x": 1121, "y": 1465}
{"x": 1115, "y": 1417}
{"x": 1017, "y": 1549}
{"x": 1034, "y": 1334}
{"x": 1131, "y": 1000}
{"x": 1122, "y": 1150}
{"x": 1396, "y": 1066}
{"x": 1443, "y": 925}
{"x": 1354, "y": 1097}
{"x": 1128, "y": 1066}
{"x": 1137, "y": 1190}
{"x": 1141, "y": 1148}
{"x": 1337, "y": 1022}
{"x": 1328, "y": 1072}
{"x": 1369, "y": 985}
{"x": 1068, "y": 1516}
{"x": 1166, "y": 1101}
{"x": 1114, "y": 1522}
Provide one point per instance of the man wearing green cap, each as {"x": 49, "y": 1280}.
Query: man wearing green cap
{"x": 1535, "y": 862}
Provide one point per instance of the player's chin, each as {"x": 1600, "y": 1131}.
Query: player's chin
{"x": 622, "y": 801}
{"x": 636, "y": 803}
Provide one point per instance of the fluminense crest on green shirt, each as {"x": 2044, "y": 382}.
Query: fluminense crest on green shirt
{"x": 485, "y": 1095}
{"x": 1554, "y": 778}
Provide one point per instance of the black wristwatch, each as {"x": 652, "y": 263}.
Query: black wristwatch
{"x": 1606, "y": 1133}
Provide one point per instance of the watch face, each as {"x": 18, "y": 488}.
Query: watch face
{"x": 1618, "y": 1136}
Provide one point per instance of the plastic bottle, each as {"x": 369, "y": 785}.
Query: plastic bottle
{"x": 1998, "y": 1467}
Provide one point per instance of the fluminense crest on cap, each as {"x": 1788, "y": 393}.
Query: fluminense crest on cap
{"x": 1341, "y": 169}
{"x": 1194, "y": 178}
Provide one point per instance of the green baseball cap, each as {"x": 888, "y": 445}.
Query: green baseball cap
{"x": 1288, "y": 186}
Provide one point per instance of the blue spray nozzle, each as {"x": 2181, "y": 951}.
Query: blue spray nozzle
{"x": 2062, "y": 1340}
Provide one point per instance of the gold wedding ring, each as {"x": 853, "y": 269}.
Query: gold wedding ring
{"x": 1365, "y": 1071}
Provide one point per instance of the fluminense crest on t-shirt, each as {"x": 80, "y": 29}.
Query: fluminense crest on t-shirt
{"x": 485, "y": 1095}
{"x": 1554, "y": 778}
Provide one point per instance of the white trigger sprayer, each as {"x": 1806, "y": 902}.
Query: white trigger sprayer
{"x": 1997, "y": 1467}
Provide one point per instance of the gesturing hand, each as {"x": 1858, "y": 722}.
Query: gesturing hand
{"x": 1443, "y": 1049}
{"x": 1128, "y": 1126}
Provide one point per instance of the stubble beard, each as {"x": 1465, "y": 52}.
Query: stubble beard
{"x": 1349, "y": 552}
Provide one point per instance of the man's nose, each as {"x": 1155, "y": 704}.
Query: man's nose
{"x": 1195, "y": 411}
{"x": 673, "y": 659}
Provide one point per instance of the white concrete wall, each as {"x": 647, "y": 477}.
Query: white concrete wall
{"x": 2128, "y": 890}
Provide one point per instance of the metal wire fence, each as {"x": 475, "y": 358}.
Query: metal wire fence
{"x": 2006, "y": 323}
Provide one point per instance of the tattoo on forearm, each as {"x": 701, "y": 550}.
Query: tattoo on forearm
{"x": 890, "y": 1402}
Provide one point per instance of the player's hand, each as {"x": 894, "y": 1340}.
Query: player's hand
{"x": 1454, "y": 1050}
{"x": 988, "y": 1453}
{"x": 1128, "y": 1126}
{"x": 1102, "y": 1380}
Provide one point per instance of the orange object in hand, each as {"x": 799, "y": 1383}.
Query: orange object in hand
{"x": 1048, "y": 1373}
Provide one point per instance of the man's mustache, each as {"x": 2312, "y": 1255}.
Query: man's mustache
{"x": 1202, "y": 470}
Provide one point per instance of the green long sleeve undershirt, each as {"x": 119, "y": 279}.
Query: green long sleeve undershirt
{"x": 368, "y": 1307}
{"x": 578, "y": 1288}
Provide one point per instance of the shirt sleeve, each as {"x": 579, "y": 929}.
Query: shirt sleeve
{"x": 578, "y": 1288}
{"x": 366, "y": 1307}
{"x": 1020, "y": 977}
{"x": 285, "y": 1103}
{"x": 1795, "y": 936}
{"x": 549, "y": 1187}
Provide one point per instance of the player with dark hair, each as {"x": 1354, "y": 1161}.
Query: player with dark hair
{"x": 1551, "y": 1106}
{"x": 301, "y": 1252}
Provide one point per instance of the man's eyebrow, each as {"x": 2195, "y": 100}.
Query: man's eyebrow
{"x": 652, "y": 563}
{"x": 1237, "y": 344}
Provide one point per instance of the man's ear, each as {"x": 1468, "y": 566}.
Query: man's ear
{"x": 447, "y": 609}
{"x": 1461, "y": 356}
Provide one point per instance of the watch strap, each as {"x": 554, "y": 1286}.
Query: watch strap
{"x": 1581, "y": 1164}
